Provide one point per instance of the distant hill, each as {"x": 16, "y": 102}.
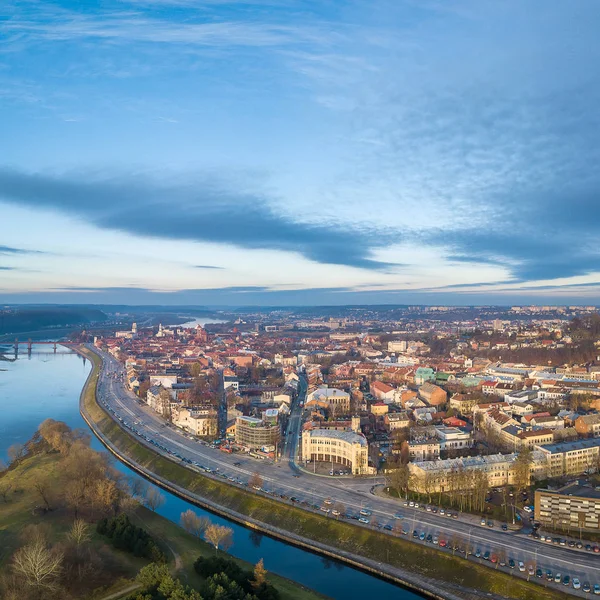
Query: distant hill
{"x": 16, "y": 320}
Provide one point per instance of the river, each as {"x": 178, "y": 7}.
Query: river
{"x": 47, "y": 385}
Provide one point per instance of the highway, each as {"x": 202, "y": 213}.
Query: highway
{"x": 347, "y": 495}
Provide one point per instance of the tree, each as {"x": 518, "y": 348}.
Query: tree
{"x": 39, "y": 565}
{"x": 259, "y": 575}
{"x": 522, "y": 469}
{"x": 255, "y": 481}
{"x": 43, "y": 488}
{"x": 107, "y": 496}
{"x": 15, "y": 453}
{"x": 57, "y": 434}
{"x": 79, "y": 533}
{"x": 193, "y": 524}
{"x": 154, "y": 499}
{"x": 5, "y": 489}
{"x": 219, "y": 536}
{"x": 400, "y": 479}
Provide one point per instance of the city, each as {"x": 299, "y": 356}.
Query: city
{"x": 328, "y": 401}
{"x": 299, "y": 300}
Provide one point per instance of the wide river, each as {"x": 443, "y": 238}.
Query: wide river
{"x": 47, "y": 385}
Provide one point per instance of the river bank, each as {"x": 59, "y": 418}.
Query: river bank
{"x": 422, "y": 569}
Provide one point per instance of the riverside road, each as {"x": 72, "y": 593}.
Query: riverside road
{"x": 349, "y": 495}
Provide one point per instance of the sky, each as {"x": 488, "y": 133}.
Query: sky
{"x": 300, "y": 151}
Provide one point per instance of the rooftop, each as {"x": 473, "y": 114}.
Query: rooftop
{"x": 346, "y": 436}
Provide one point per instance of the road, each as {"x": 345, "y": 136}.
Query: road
{"x": 350, "y": 495}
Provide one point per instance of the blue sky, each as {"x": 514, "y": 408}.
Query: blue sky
{"x": 311, "y": 152}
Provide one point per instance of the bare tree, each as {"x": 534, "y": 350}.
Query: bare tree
{"x": 39, "y": 565}
{"x": 42, "y": 486}
{"x": 15, "y": 453}
{"x": 154, "y": 499}
{"x": 79, "y": 533}
{"x": 255, "y": 481}
{"x": 138, "y": 486}
{"x": 194, "y": 524}
{"x": 107, "y": 495}
{"x": 219, "y": 536}
{"x": 5, "y": 489}
{"x": 75, "y": 495}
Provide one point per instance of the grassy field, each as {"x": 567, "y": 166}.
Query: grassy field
{"x": 119, "y": 568}
{"x": 377, "y": 546}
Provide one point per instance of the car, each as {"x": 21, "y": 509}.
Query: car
{"x": 442, "y": 511}
{"x": 576, "y": 584}
{"x": 335, "y": 513}
{"x": 530, "y": 570}
{"x": 398, "y": 516}
{"x": 388, "y": 527}
{"x": 586, "y": 587}
{"x": 405, "y": 503}
{"x": 571, "y": 544}
{"x": 443, "y": 544}
{"x": 494, "y": 559}
{"x": 422, "y": 535}
{"x": 596, "y": 549}
{"x": 486, "y": 555}
{"x": 429, "y": 538}
{"x": 482, "y": 522}
{"x": 478, "y": 553}
{"x": 329, "y": 501}
{"x": 415, "y": 534}
{"x": 416, "y": 505}
{"x": 404, "y": 531}
{"x": 566, "y": 580}
{"x": 364, "y": 520}
{"x": 596, "y": 589}
{"x": 365, "y": 512}
{"x": 490, "y": 523}
{"x": 436, "y": 540}
{"x": 521, "y": 566}
{"x": 428, "y": 508}
{"x": 504, "y": 527}
{"x": 527, "y": 509}
{"x": 579, "y": 545}
{"x": 557, "y": 578}
{"x": 549, "y": 576}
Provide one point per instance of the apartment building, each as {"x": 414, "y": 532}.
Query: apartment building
{"x": 588, "y": 425}
{"x": 573, "y": 507}
{"x": 572, "y": 458}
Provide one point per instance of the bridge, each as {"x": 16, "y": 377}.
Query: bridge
{"x": 30, "y": 343}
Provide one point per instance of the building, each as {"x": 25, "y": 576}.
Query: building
{"x": 462, "y": 403}
{"x": 397, "y": 346}
{"x": 382, "y": 391}
{"x": 201, "y": 421}
{"x": 588, "y": 425}
{"x": 255, "y": 433}
{"x": 342, "y": 447}
{"x": 574, "y": 508}
{"x": 454, "y": 438}
{"x": 424, "y": 450}
{"x": 572, "y": 458}
{"x": 424, "y": 374}
{"x": 397, "y": 420}
{"x": 379, "y": 408}
{"x": 535, "y": 437}
{"x": 433, "y": 394}
{"x": 433, "y": 476}
{"x": 331, "y": 397}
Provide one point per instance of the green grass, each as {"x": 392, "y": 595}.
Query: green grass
{"x": 377, "y": 546}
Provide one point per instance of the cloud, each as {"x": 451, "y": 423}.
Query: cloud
{"x": 15, "y": 251}
{"x": 203, "y": 209}
{"x": 207, "y": 267}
